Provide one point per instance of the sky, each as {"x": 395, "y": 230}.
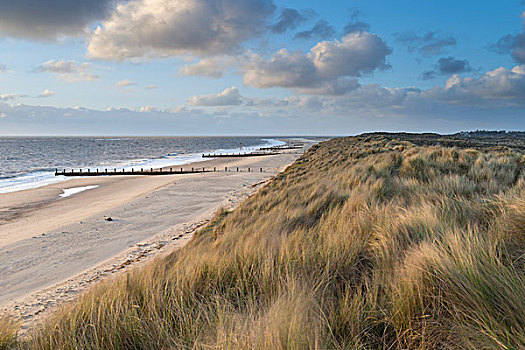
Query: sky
{"x": 260, "y": 67}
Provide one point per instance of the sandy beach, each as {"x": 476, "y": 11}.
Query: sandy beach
{"x": 52, "y": 248}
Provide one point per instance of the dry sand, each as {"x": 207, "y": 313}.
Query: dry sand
{"x": 52, "y": 248}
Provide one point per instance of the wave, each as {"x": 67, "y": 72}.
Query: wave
{"x": 29, "y": 180}
{"x": 46, "y": 176}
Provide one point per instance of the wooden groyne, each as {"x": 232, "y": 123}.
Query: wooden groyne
{"x": 277, "y": 148}
{"x": 150, "y": 171}
{"x": 236, "y": 155}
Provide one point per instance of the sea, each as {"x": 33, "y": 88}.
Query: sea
{"x": 30, "y": 162}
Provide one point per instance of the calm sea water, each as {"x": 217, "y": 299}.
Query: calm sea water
{"x": 31, "y": 162}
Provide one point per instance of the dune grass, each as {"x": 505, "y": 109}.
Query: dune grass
{"x": 8, "y": 333}
{"x": 363, "y": 243}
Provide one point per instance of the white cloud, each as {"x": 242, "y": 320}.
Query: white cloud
{"x": 69, "y": 71}
{"x": 497, "y": 88}
{"x": 284, "y": 69}
{"x": 142, "y": 28}
{"x": 59, "y": 66}
{"x": 265, "y": 102}
{"x": 45, "y": 120}
{"x": 324, "y": 70}
{"x": 124, "y": 83}
{"x": 519, "y": 69}
{"x": 10, "y": 97}
{"x": 355, "y": 54}
{"x": 480, "y": 102}
{"x": 49, "y": 19}
{"x": 232, "y": 97}
{"x": 213, "y": 67}
{"x": 47, "y": 93}
{"x": 339, "y": 86}
{"x": 147, "y": 109}
{"x": 229, "y": 97}
{"x": 366, "y": 101}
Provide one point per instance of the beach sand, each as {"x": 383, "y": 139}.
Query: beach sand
{"x": 52, "y": 248}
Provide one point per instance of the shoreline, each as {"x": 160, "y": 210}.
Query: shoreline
{"x": 141, "y": 198}
{"x": 163, "y": 161}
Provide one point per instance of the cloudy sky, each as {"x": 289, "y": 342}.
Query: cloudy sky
{"x": 260, "y": 67}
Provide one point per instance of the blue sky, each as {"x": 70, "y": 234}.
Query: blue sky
{"x": 119, "y": 67}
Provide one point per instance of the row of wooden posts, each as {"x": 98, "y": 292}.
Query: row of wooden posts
{"x": 161, "y": 171}
{"x": 249, "y": 154}
{"x": 279, "y": 148}
{"x": 151, "y": 171}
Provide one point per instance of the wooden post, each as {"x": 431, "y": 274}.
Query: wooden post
{"x": 261, "y": 170}
{"x": 97, "y": 171}
{"x": 237, "y": 169}
{"x": 214, "y": 168}
{"x": 225, "y": 168}
{"x": 192, "y": 170}
{"x": 63, "y": 171}
{"x": 248, "y": 169}
{"x": 203, "y": 170}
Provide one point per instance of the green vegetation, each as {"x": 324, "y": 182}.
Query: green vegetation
{"x": 364, "y": 243}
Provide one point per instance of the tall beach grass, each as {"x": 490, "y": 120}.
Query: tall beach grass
{"x": 363, "y": 243}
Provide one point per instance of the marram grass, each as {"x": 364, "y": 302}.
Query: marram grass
{"x": 361, "y": 244}
{"x": 8, "y": 333}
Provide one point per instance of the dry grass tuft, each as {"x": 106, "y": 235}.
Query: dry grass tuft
{"x": 8, "y": 333}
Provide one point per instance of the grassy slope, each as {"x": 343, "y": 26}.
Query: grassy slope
{"x": 363, "y": 243}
